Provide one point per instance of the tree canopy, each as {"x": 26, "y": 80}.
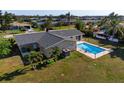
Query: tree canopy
{"x": 5, "y": 47}
{"x": 6, "y": 19}
{"x": 79, "y": 25}
{"x": 111, "y": 24}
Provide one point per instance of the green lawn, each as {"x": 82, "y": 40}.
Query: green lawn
{"x": 11, "y": 32}
{"x": 75, "y": 68}
{"x": 64, "y": 27}
{"x": 10, "y": 64}
{"x": 37, "y": 29}
{"x": 56, "y": 28}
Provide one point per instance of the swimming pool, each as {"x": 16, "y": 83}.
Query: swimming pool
{"x": 90, "y": 48}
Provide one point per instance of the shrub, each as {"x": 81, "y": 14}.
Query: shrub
{"x": 33, "y": 58}
{"x": 50, "y": 61}
{"x": 56, "y": 53}
{"x": 5, "y": 47}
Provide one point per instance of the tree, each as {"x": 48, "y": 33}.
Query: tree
{"x": 7, "y": 19}
{"x": 110, "y": 24}
{"x": 34, "y": 58}
{"x": 48, "y": 23}
{"x": 62, "y": 16}
{"x": 119, "y": 32}
{"x": 0, "y": 18}
{"x": 56, "y": 53}
{"x": 12, "y": 42}
{"x": 60, "y": 23}
{"x": 89, "y": 29}
{"x": 0, "y": 13}
{"x": 113, "y": 23}
{"x": 5, "y": 47}
{"x": 79, "y": 25}
{"x": 34, "y": 24}
{"x": 68, "y": 16}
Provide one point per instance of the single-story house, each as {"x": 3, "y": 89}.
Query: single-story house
{"x": 45, "y": 41}
{"x": 102, "y": 35}
{"x": 23, "y": 26}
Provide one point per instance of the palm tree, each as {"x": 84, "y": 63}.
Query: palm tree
{"x": 68, "y": 16}
{"x": 110, "y": 24}
{"x": 119, "y": 32}
{"x": 34, "y": 58}
{"x": 48, "y": 23}
{"x": 56, "y": 53}
{"x": 7, "y": 19}
{"x": 0, "y": 18}
{"x": 89, "y": 28}
{"x": 113, "y": 24}
{"x": 103, "y": 23}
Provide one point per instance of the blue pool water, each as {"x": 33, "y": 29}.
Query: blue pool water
{"x": 90, "y": 48}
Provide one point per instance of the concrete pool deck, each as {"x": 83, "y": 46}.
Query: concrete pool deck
{"x": 91, "y": 55}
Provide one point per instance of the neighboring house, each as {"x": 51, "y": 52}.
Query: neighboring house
{"x": 24, "y": 26}
{"x": 102, "y": 35}
{"x": 45, "y": 41}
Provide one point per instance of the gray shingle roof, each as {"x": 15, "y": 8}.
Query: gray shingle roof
{"x": 66, "y": 33}
{"x": 46, "y": 39}
{"x": 28, "y": 38}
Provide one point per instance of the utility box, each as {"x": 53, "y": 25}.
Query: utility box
{"x": 65, "y": 52}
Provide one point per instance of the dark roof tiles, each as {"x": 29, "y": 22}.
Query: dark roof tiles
{"x": 66, "y": 33}
{"x": 46, "y": 39}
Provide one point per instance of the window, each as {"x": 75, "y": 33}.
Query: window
{"x": 24, "y": 50}
{"x": 35, "y": 46}
{"x": 78, "y": 37}
{"x": 30, "y": 47}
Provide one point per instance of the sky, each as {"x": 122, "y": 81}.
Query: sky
{"x": 58, "y": 12}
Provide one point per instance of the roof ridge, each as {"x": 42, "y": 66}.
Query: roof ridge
{"x": 29, "y": 33}
{"x": 62, "y": 29}
{"x": 56, "y": 35}
{"x": 53, "y": 36}
{"x": 44, "y": 32}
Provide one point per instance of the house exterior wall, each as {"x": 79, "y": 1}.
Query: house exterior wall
{"x": 64, "y": 44}
{"x": 32, "y": 46}
{"x": 67, "y": 44}
{"x": 75, "y": 37}
{"x": 100, "y": 37}
{"x": 47, "y": 52}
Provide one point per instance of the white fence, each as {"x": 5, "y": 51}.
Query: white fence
{"x": 91, "y": 55}
{"x": 110, "y": 39}
{"x": 113, "y": 39}
{"x": 101, "y": 37}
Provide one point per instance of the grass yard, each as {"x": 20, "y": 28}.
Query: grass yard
{"x": 37, "y": 29}
{"x": 56, "y": 28}
{"x": 64, "y": 27}
{"x": 10, "y": 64}
{"x": 75, "y": 68}
{"x": 11, "y": 32}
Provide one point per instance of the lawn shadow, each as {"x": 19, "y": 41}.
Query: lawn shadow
{"x": 118, "y": 48}
{"x": 117, "y": 52}
{"x": 15, "y": 52}
{"x": 11, "y": 75}
{"x": 106, "y": 42}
